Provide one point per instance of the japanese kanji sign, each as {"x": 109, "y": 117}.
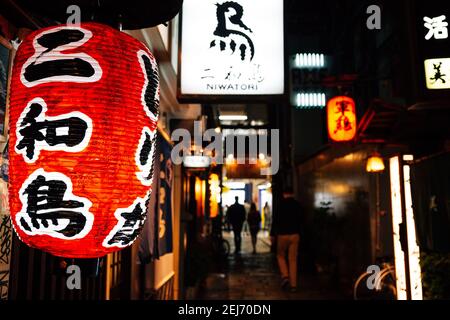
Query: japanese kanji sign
{"x": 433, "y": 44}
{"x": 437, "y": 27}
{"x": 84, "y": 109}
{"x": 165, "y": 227}
{"x": 437, "y": 73}
{"x": 341, "y": 118}
{"x": 232, "y": 48}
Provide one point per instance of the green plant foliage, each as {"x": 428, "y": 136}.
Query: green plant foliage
{"x": 435, "y": 275}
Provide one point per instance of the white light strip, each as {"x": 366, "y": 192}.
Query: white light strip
{"x": 309, "y": 100}
{"x": 235, "y": 185}
{"x": 396, "y": 203}
{"x": 408, "y": 157}
{"x": 233, "y": 117}
{"x": 413, "y": 249}
{"x": 310, "y": 60}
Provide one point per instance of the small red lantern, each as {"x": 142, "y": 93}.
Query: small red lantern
{"x": 84, "y": 110}
{"x": 341, "y": 118}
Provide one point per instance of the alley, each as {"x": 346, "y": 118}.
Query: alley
{"x": 255, "y": 277}
{"x": 135, "y": 136}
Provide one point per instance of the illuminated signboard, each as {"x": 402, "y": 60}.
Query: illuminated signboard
{"x": 397, "y": 219}
{"x": 399, "y": 205}
{"x": 214, "y": 195}
{"x": 433, "y": 17}
{"x": 196, "y": 161}
{"x": 437, "y": 73}
{"x": 231, "y": 49}
{"x": 437, "y": 27}
{"x": 310, "y": 100}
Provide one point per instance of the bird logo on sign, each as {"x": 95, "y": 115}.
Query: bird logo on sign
{"x": 236, "y": 38}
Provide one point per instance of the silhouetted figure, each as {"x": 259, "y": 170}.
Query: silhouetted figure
{"x": 286, "y": 227}
{"x": 254, "y": 223}
{"x": 267, "y": 217}
{"x": 236, "y": 216}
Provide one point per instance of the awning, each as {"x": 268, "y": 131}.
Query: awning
{"x": 388, "y": 123}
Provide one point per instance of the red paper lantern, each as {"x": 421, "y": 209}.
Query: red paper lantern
{"x": 341, "y": 118}
{"x": 84, "y": 110}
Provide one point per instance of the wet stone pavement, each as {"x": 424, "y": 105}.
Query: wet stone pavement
{"x": 255, "y": 277}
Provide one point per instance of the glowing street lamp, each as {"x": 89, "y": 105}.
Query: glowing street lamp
{"x": 375, "y": 164}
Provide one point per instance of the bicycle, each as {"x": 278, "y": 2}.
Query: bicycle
{"x": 221, "y": 247}
{"x": 384, "y": 285}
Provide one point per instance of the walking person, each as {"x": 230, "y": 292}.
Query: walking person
{"x": 267, "y": 217}
{"x": 286, "y": 227}
{"x": 236, "y": 216}
{"x": 254, "y": 223}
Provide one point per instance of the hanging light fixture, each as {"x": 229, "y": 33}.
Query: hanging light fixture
{"x": 375, "y": 163}
{"x": 83, "y": 112}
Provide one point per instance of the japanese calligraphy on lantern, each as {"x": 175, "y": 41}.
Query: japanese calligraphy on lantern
{"x": 68, "y": 132}
{"x": 341, "y": 119}
{"x": 232, "y": 48}
{"x": 131, "y": 221}
{"x": 437, "y": 73}
{"x": 49, "y": 63}
{"x": 83, "y": 128}
{"x": 50, "y": 207}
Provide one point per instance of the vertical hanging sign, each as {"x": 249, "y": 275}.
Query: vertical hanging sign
{"x": 165, "y": 198}
{"x": 231, "y": 48}
{"x": 341, "y": 119}
{"x": 433, "y": 33}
